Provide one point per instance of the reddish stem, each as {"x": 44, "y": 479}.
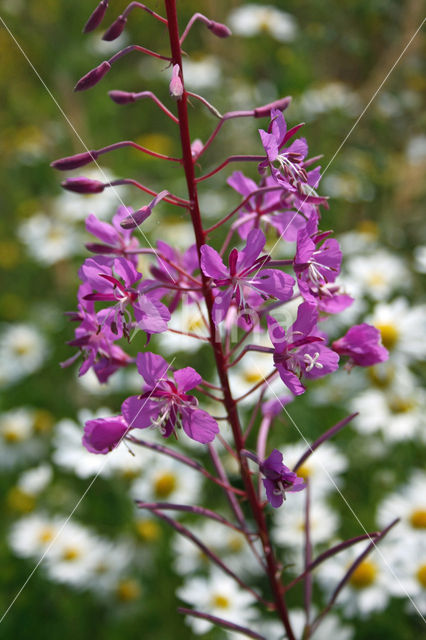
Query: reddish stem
{"x": 229, "y": 402}
{"x": 226, "y": 162}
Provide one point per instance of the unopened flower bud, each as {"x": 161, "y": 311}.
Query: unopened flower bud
{"x": 133, "y": 221}
{"x": 115, "y": 30}
{"x": 220, "y": 30}
{"x": 265, "y": 111}
{"x": 96, "y": 17}
{"x": 83, "y": 185}
{"x": 176, "y": 86}
{"x": 74, "y": 162}
{"x": 122, "y": 97}
{"x": 93, "y": 77}
{"x": 196, "y": 148}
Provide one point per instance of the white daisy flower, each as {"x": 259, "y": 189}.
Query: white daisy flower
{"x": 408, "y": 562}
{"x": 334, "y": 95}
{"x": 49, "y": 240}
{"x": 408, "y": 504}
{"x": 252, "y": 369}
{"x": 397, "y": 414}
{"x": 23, "y": 350}
{"x": 380, "y": 275}
{"x": 368, "y": 586}
{"x": 420, "y": 258}
{"x": 32, "y": 535}
{"x": 220, "y": 596}
{"x": 402, "y": 328}
{"x": 70, "y": 559}
{"x": 34, "y": 481}
{"x": 167, "y": 480}
{"x": 289, "y": 525}
{"x": 253, "y": 19}
{"x": 19, "y": 442}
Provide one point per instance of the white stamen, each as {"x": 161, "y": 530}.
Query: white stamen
{"x": 311, "y": 362}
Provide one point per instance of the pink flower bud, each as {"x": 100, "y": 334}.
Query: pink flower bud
{"x": 96, "y": 17}
{"x": 176, "y": 86}
{"x": 133, "y": 221}
{"x": 122, "y": 97}
{"x": 220, "y": 30}
{"x": 74, "y": 162}
{"x": 115, "y": 30}
{"x": 83, "y": 185}
{"x": 265, "y": 111}
{"x": 196, "y": 147}
{"x": 93, "y": 77}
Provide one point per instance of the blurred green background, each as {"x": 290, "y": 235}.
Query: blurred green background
{"x": 340, "y": 54}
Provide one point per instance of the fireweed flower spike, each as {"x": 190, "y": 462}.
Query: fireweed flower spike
{"x": 285, "y": 198}
{"x": 279, "y": 479}
{"x": 167, "y": 403}
{"x": 246, "y": 268}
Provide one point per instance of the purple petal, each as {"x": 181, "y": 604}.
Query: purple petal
{"x": 152, "y": 367}
{"x": 290, "y": 380}
{"x": 102, "y": 230}
{"x": 187, "y": 378}
{"x": 255, "y": 243}
{"x": 277, "y": 334}
{"x": 211, "y": 263}
{"x": 275, "y": 499}
{"x": 104, "y": 434}
{"x": 199, "y": 425}
{"x": 140, "y": 412}
{"x": 274, "y": 283}
{"x": 241, "y": 184}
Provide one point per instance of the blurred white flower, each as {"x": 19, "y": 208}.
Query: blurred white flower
{"x": 49, "y": 240}
{"x": 204, "y": 73}
{"x": 31, "y": 536}
{"x": 416, "y": 149}
{"x": 408, "y": 562}
{"x": 34, "y": 481}
{"x": 165, "y": 479}
{"x": 368, "y": 588}
{"x": 188, "y": 319}
{"x": 409, "y": 504}
{"x": 379, "y": 275}
{"x": 253, "y": 19}
{"x": 334, "y": 95}
{"x": 19, "y": 442}
{"x": 330, "y": 628}
{"x": 23, "y": 350}
{"x": 420, "y": 258}
{"x": 220, "y": 596}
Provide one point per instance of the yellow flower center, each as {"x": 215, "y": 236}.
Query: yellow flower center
{"x": 194, "y": 323}
{"x": 421, "y": 575}
{"x": 381, "y": 377}
{"x": 148, "y": 530}
{"x": 46, "y": 535}
{"x": 10, "y": 435}
{"x": 20, "y": 501}
{"x": 364, "y": 575}
{"x": 70, "y": 554}
{"x": 418, "y": 519}
{"x": 401, "y": 405}
{"x": 127, "y": 590}
{"x": 389, "y": 334}
{"x": 235, "y": 543}
{"x": 220, "y": 602}
{"x": 253, "y": 376}
{"x": 304, "y": 471}
{"x": 368, "y": 227}
{"x": 43, "y": 421}
{"x": 376, "y": 279}
{"x": 165, "y": 484}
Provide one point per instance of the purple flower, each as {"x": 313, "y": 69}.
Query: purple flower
{"x": 115, "y": 239}
{"x": 245, "y": 268}
{"x": 164, "y": 402}
{"x": 279, "y": 479}
{"x": 272, "y": 208}
{"x": 115, "y": 283}
{"x": 363, "y": 344}
{"x": 104, "y": 434}
{"x": 318, "y": 258}
{"x": 95, "y": 340}
{"x": 301, "y": 351}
